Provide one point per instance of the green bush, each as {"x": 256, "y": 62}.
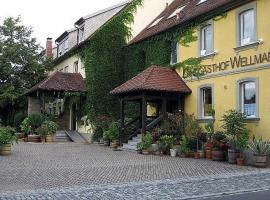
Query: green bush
{"x": 166, "y": 142}
{"x": 114, "y": 129}
{"x": 234, "y": 125}
{"x": 51, "y": 126}
{"x": 242, "y": 141}
{"x": 106, "y": 135}
{"x": 146, "y": 142}
{"x": 259, "y": 146}
{"x": 184, "y": 145}
{"x": 43, "y": 131}
{"x": 18, "y": 119}
{"x": 31, "y": 123}
{"x": 7, "y": 135}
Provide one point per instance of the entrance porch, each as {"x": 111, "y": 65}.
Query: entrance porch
{"x": 158, "y": 91}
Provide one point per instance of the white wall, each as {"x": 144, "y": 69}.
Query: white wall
{"x": 70, "y": 62}
{"x": 146, "y": 14}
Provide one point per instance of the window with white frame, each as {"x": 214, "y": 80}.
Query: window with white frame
{"x": 206, "y": 40}
{"x": 206, "y": 102}
{"x": 75, "y": 67}
{"x": 247, "y": 29}
{"x": 174, "y": 52}
{"x": 63, "y": 47}
{"x": 248, "y": 96}
{"x": 81, "y": 34}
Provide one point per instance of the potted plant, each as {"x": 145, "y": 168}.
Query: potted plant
{"x": 193, "y": 130}
{"x": 184, "y": 149}
{"x": 260, "y": 150}
{"x": 106, "y": 138}
{"x": 51, "y": 127}
{"x": 166, "y": 143}
{"x": 114, "y": 134}
{"x": 7, "y": 138}
{"x": 218, "y": 146}
{"x": 242, "y": 144}
{"x": 42, "y": 131}
{"x": 146, "y": 143}
{"x": 234, "y": 125}
{"x": 139, "y": 148}
{"x": 210, "y": 131}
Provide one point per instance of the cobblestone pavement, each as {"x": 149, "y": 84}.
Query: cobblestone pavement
{"x": 76, "y": 171}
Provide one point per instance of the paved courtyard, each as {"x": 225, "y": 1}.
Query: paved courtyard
{"x": 70, "y": 171}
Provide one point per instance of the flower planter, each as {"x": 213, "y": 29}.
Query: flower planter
{"x": 201, "y": 154}
{"x": 240, "y": 161}
{"x": 5, "y": 149}
{"x": 49, "y": 138}
{"x": 106, "y": 143}
{"x": 114, "y": 144}
{"x": 260, "y": 160}
{"x": 145, "y": 152}
{"x": 139, "y": 151}
{"x": 173, "y": 152}
{"x": 208, "y": 153}
{"x": 191, "y": 155}
{"x": 197, "y": 155}
{"x": 34, "y": 138}
{"x": 218, "y": 155}
{"x": 232, "y": 155}
{"x": 183, "y": 155}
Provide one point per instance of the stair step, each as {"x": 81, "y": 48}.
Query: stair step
{"x": 126, "y": 146}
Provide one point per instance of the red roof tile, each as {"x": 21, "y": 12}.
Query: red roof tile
{"x": 154, "y": 79}
{"x": 60, "y": 81}
{"x": 191, "y": 11}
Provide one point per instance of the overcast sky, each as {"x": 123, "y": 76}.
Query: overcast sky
{"x": 50, "y": 18}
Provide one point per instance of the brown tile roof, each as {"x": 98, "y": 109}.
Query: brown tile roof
{"x": 60, "y": 81}
{"x": 154, "y": 79}
{"x": 191, "y": 11}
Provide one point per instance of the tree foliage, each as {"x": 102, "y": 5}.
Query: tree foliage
{"x": 22, "y": 64}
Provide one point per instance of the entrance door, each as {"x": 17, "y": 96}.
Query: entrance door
{"x": 74, "y": 117}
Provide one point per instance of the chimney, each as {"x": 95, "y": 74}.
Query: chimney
{"x": 49, "y": 53}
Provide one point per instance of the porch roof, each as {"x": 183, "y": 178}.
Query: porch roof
{"x": 60, "y": 81}
{"x": 153, "y": 79}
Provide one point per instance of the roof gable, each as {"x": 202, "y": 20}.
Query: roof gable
{"x": 154, "y": 79}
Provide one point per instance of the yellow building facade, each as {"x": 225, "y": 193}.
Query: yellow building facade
{"x": 235, "y": 53}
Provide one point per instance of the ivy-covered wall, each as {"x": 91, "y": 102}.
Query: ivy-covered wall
{"x": 104, "y": 57}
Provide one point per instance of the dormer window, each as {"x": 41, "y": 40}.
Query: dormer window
{"x": 81, "y": 34}
{"x": 178, "y": 10}
{"x": 201, "y": 1}
{"x": 63, "y": 47}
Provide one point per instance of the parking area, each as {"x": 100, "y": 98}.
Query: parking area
{"x": 45, "y": 166}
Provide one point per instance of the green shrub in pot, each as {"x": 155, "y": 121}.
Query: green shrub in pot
{"x": 146, "y": 143}
{"x": 7, "y": 138}
{"x": 233, "y": 124}
{"x": 166, "y": 142}
{"x": 260, "y": 149}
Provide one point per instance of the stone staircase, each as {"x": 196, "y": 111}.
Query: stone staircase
{"x": 132, "y": 144}
{"x": 61, "y": 136}
{"x": 76, "y": 137}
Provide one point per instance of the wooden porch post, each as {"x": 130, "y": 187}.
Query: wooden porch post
{"x": 143, "y": 114}
{"x": 164, "y": 106}
{"x": 122, "y": 115}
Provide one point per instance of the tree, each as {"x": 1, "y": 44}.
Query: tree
{"x": 22, "y": 65}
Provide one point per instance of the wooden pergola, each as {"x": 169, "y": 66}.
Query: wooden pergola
{"x": 161, "y": 85}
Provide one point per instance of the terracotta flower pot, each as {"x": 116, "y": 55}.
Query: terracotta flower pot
{"x": 201, "y": 154}
{"x": 260, "y": 160}
{"x": 145, "y": 152}
{"x": 240, "y": 161}
{"x": 5, "y": 150}
{"x": 218, "y": 155}
{"x": 197, "y": 155}
{"x": 208, "y": 153}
